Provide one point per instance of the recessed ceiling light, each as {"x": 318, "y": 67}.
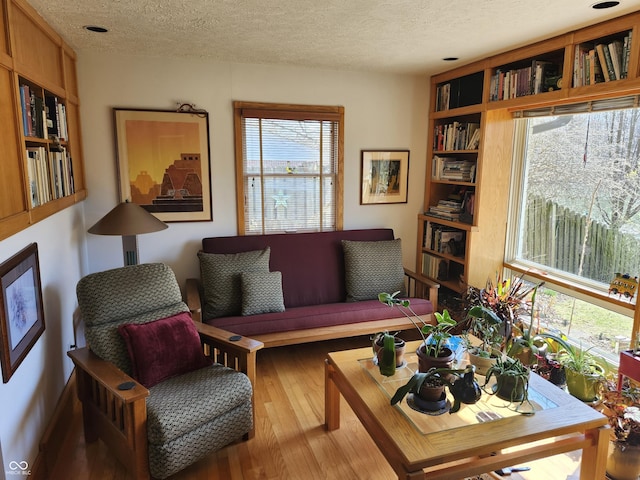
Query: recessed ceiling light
{"x": 95, "y": 28}
{"x": 450, "y": 59}
{"x": 603, "y": 5}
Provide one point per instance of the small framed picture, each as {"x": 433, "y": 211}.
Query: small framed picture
{"x": 384, "y": 176}
{"x": 22, "y": 314}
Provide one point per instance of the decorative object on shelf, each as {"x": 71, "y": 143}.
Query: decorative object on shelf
{"x": 461, "y": 383}
{"x": 512, "y": 380}
{"x": 22, "y": 314}
{"x": 163, "y": 162}
{"x": 624, "y": 285}
{"x": 384, "y": 176}
{"x": 128, "y": 219}
{"x": 622, "y": 408}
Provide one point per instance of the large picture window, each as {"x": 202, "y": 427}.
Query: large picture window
{"x": 288, "y": 168}
{"x": 575, "y": 212}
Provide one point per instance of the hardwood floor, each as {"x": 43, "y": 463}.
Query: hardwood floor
{"x": 290, "y": 441}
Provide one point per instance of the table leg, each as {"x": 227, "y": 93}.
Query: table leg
{"x": 594, "y": 458}
{"x": 331, "y": 399}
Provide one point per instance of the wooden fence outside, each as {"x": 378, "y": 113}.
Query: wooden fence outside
{"x": 555, "y": 235}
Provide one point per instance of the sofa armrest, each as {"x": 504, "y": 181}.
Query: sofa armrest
{"x": 423, "y": 287}
{"x": 194, "y": 302}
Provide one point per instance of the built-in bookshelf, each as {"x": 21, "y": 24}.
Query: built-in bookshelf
{"x": 41, "y": 142}
{"x": 467, "y": 181}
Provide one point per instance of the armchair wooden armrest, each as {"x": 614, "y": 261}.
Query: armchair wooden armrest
{"x": 421, "y": 286}
{"x": 193, "y": 294}
{"x": 117, "y": 416}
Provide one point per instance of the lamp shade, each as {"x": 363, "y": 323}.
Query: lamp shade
{"x": 127, "y": 219}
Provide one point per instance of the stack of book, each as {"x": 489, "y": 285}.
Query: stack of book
{"x": 519, "y": 82}
{"x": 446, "y": 209}
{"x": 438, "y": 238}
{"x": 453, "y": 169}
{"x": 457, "y": 136}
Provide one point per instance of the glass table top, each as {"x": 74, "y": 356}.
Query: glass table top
{"x": 488, "y": 408}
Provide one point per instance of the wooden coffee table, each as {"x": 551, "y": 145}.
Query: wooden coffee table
{"x": 453, "y": 446}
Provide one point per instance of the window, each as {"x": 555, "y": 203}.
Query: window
{"x": 288, "y": 167}
{"x": 575, "y": 214}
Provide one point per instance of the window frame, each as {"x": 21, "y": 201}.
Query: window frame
{"x": 243, "y": 109}
{"x": 582, "y": 289}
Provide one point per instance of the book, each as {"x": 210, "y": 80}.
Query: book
{"x": 605, "y": 62}
{"x": 615, "y": 51}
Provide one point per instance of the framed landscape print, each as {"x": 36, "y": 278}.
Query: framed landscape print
{"x": 384, "y": 176}
{"x": 22, "y": 314}
{"x": 163, "y": 162}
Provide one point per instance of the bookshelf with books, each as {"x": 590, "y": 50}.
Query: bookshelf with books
{"x": 550, "y": 73}
{"x": 42, "y": 167}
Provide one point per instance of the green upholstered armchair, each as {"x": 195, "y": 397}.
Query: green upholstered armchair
{"x": 157, "y": 403}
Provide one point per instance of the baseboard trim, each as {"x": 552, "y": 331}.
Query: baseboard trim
{"x": 55, "y": 436}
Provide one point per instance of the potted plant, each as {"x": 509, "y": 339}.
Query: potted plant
{"x": 395, "y": 346}
{"x": 486, "y": 326}
{"x": 461, "y": 384}
{"x": 584, "y": 374}
{"x": 525, "y": 343}
{"x": 433, "y": 351}
{"x": 549, "y": 368}
{"x": 511, "y": 379}
{"x": 623, "y": 411}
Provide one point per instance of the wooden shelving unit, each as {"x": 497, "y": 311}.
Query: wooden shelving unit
{"x": 35, "y": 59}
{"x": 543, "y": 74}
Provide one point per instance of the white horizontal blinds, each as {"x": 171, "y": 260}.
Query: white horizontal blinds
{"x": 618, "y": 103}
{"x": 289, "y": 165}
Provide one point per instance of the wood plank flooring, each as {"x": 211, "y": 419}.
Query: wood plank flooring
{"x": 290, "y": 441}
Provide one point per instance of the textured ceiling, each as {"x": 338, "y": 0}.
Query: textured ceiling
{"x": 399, "y": 36}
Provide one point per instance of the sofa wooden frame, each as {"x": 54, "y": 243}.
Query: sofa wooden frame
{"x": 119, "y": 417}
{"x": 417, "y": 285}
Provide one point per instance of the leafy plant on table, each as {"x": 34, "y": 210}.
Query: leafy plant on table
{"x": 434, "y": 336}
{"x": 525, "y": 340}
{"x": 485, "y": 325}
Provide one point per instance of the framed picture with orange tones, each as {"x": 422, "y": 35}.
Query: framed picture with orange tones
{"x": 163, "y": 162}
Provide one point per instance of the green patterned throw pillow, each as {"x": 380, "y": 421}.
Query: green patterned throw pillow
{"x": 261, "y": 293}
{"x": 221, "y": 275}
{"x": 371, "y": 268}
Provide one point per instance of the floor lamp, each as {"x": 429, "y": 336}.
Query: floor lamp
{"x": 128, "y": 220}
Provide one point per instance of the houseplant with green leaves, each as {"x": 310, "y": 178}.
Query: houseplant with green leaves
{"x": 434, "y": 350}
{"x": 511, "y": 380}
{"x": 486, "y": 326}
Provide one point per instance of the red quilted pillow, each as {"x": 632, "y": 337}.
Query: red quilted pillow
{"x": 163, "y": 348}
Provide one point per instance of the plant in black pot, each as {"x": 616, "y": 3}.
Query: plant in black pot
{"x": 525, "y": 343}
{"x": 461, "y": 384}
{"x": 434, "y": 350}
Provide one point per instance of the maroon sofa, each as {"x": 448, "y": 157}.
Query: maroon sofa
{"x": 313, "y": 284}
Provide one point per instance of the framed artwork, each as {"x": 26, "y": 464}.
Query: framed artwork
{"x": 163, "y": 162}
{"x": 384, "y": 176}
{"x": 22, "y": 314}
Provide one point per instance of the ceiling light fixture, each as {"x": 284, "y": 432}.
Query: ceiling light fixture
{"x": 450, "y": 59}
{"x": 603, "y": 5}
{"x": 95, "y": 28}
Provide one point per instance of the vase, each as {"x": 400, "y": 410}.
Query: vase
{"x": 623, "y": 462}
{"x": 583, "y": 386}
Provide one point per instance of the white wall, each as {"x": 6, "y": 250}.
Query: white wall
{"x": 28, "y": 400}
{"x": 381, "y": 111}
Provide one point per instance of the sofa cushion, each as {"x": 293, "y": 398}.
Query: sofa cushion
{"x": 163, "y": 348}
{"x": 371, "y": 268}
{"x": 314, "y": 316}
{"x": 312, "y": 264}
{"x": 261, "y": 292}
{"x": 221, "y": 279}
